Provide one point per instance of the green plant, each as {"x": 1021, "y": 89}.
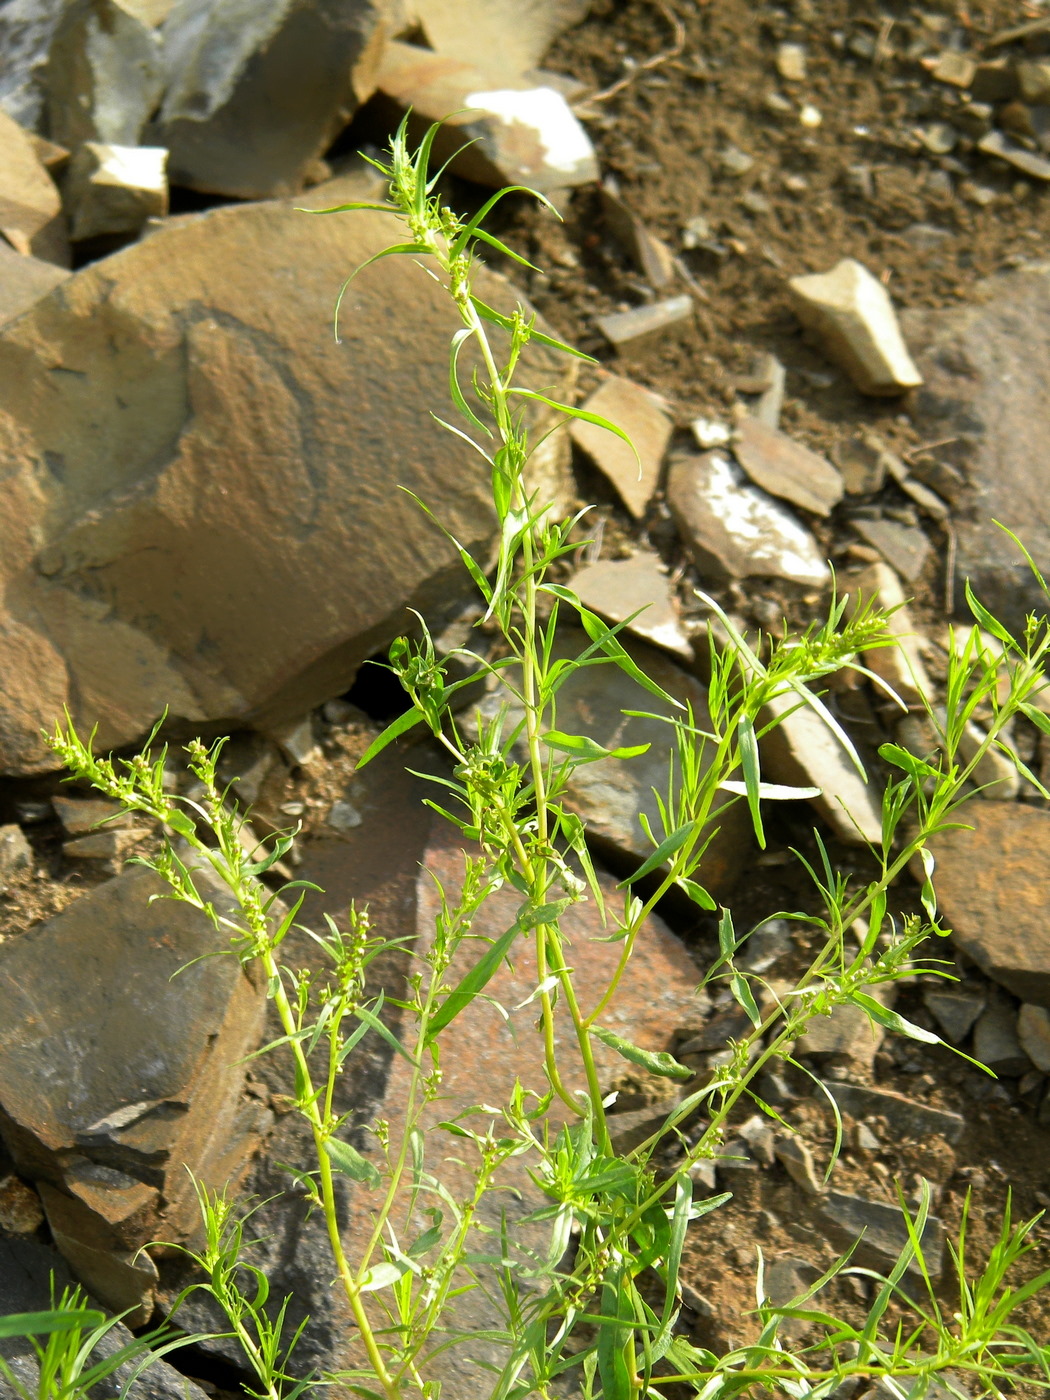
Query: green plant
{"x": 602, "y": 1301}
{"x": 73, "y": 1356}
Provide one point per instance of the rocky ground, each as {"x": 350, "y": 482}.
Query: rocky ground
{"x": 195, "y": 480}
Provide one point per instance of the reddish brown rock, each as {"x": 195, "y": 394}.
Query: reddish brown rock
{"x": 617, "y": 588}
{"x": 200, "y": 511}
{"x": 786, "y": 468}
{"x": 991, "y": 884}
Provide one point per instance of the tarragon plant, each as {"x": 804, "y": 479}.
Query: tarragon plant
{"x": 599, "y": 1309}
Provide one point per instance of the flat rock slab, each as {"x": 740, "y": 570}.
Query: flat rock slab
{"x": 512, "y": 36}
{"x": 986, "y": 392}
{"x": 235, "y": 69}
{"x": 181, "y": 426}
{"x": 906, "y": 1117}
{"x": 731, "y": 527}
{"x": 638, "y": 413}
{"x": 991, "y": 886}
{"x": 617, "y": 588}
{"x": 786, "y": 468}
{"x": 885, "y": 1233}
{"x": 139, "y": 1084}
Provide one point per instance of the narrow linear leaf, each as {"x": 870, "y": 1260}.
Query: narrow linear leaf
{"x": 586, "y": 750}
{"x": 37, "y": 1324}
{"x": 667, "y": 848}
{"x": 479, "y": 976}
{"x": 747, "y": 743}
{"x": 770, "y": 792}
{"x": 393, "y": 731}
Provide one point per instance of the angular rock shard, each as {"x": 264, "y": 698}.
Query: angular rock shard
{"x": 851, "y": 313}
{"x": 30, "y": 207}
{"x": 104, "y": 76}
{"x": 496, "y": 133}
{"x": 617, "y": 588}
{"x": 224, "y": 535}
{"x": 731, "y": 527}
{"x": 289, "y": 72}
{"x": 513, "y": 35}
{"x": 786, "y": 468}
{"x": 640, "y": 414}
{"x": 24, "y": 281}
{"x": 140, "y": 1084}
{"x": 115, "y": 189}
{"x": 986, "y": 393}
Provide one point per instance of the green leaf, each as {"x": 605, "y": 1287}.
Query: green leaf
{"x": 743, "y": 996}
{"x": 586, "y": 750}
{"x": 496, "y": 318}
{"x": 892, "y": 1020}
{"x": 655, "y": 1061}
{"x": 538, "y": 915}
{"x": 348, "y": 1162}
{"x": 605, "y": 638}
{"x": 747, "y": 743}
{"x": 479, "y": 976}
{"x": 37, "y": 1324}
{"x": 696, "y": 893}
{"x": 987, "y": 621}
{"x": 370, "y": 1019}
{"x": 393, "y": 731}
{"x": 667, "y": 848}
{"x": 382, "y": 1276}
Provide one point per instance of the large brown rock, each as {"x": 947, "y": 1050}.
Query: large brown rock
{"x": 508, "y": 35}
{"x": 198, "y": 504}
{"x": 117, "y": 1078}
{"x": 23, "y": 281}
{"x": 991, "y": 885}
{"x": 257, "y": 92}
{"x": 986, "y": 403}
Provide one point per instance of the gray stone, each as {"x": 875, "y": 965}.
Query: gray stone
{"x": 27, "y": 1269}
{"x": 26, "y": 27}
{"x": 622, "y": 328}
{"x": 906, "y": 1117}
{"x": 16, "y": 854}
{"x": 955, "y": 1012}
{"x": 650, "y": 255}
{"x": 494, "y": 131}
{"x": 643, "y": 417}
{"x": 237, "y": 66}
{"x": 104, "y": 76}
{"x": 757, "y": 1132}
{"x": 770, "y": 380}
{"x": 115, "y": 189}
{"x": 141, "y": 1083}
{"x": 206, "y": 427}
{"x": 1033, "y": 1031}
{"x": 986, "y": 394}
{"x": 847, "y": 1034}
{"x": 955, "y": 68}
{"x": 851, "y": 313}
{"x": 862, "y": 460}
{"x": 786, "y": 468}
{"x": 1028, "y": 162}
{"x": 991, "y": 885}
{"x": 995, "y": 1039}
{"x": 885, "y": 1233}
{"x": 730, "y": 527}
{"x": 24, "y": 281}
{"x": 796, "y": 1158}
{"x": 616, "y": 588}
{"x": 905, "y": 547}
